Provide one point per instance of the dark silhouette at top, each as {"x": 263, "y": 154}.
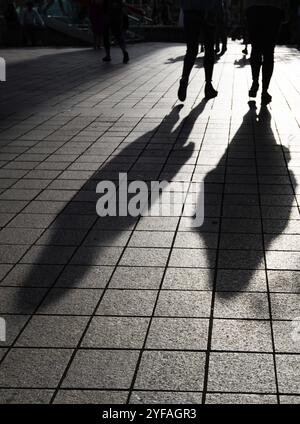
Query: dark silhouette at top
{"x": 263, "y": 23}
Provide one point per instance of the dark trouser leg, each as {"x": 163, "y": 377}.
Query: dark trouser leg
{"x": 267, "y": 67}
{"x": 209, "y": 57}
{"x": 106, "y": 39}
{"x": 117, "y": 30}
{"x": 256, "y": 61}
{"x": 274, "y": 23}
{"x": 192, "y": 24}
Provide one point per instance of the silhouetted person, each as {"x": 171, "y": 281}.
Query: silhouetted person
{"x": 96, "y": 18}
{"x": 264, "y": 18}
{"x": 199, "y": 19}
{"x": 222, "y": 23}
{"x": 30, "y": 20}
{"x": 114, "y": 22}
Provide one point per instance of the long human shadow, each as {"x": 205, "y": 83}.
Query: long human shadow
{"x": 151, "y": 160}
{"x": 248, "y": 223}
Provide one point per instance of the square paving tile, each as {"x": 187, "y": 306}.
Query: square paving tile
{"x": 116, "y": 332}
{"x": 178, "y": 333}
{"x": 242, "y": 305}
{"x": 184, "y": 304}
{"x": 241, "y": 372}
{"x": 96, "y": 397}
{"x": 70, "y": 301}
{"x": 52, "y": 331}
{"x": 31, "y": 368}
{"x": 288, "y": 372}
{"x": 101, "y": 369}
{"x": 242, "y": 335}
{"x": 188, "y": 279}
{"x": 161, "y": 370}
{"x": 136, "y": 278}
{"x": 127, "y": 302}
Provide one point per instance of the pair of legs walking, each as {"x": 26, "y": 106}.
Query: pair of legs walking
{"x": 114, "y": 25}
{"x": 198, "y": 26}
{"x": 263, "y": 24}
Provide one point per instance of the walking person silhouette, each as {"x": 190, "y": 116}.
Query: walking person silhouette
{"x": 114, "y": 22}
{"x": 199, "y": 20}
{"x": 264, "y": 18}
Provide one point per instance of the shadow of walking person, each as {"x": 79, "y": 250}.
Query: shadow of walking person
{"x": 88, "y": 256}
{"x": 253, "y": 210}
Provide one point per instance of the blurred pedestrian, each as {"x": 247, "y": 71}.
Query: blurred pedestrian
{"x": 30, "y": 21}
{"x": 200, "y": 18}
{"x": 114, "y": 23}
{"x": 264, "y": 18}
{"x": 97, "y": 21}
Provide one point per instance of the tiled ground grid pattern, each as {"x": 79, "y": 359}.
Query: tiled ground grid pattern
{"x": 149, "y": 309}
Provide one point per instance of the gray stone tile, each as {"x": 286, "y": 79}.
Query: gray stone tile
{"x": 97, "y": 256}
{"x": 192, "y": 258}
{"x": 288, "y": 372}
{"x": 64, "y": 238}
{"x": 19, "y": 300}
{"x": 11, "y": 254}
{"x": 48, "y": 255}
{"x": 241, "y": 372}
{"x": 195, "y": 240}
{"x": 283, "y": 260}
{"x": 241, "y": 241}
{"x": 33, "y": 368}
{"x": 286, "y": 336}
{"x": 144, "y": 257}
{"x": 52, "y": 331}
{"x": 158, "y": 224}
{"x": 107, "y": 238}
{"x": 289, "y": 400}
{"x": 241, "y": 335}
{"x": 70, "y": 301}
{"x": 165, "y": 398}
{"x": 285, "y": 306}
{"x": 241, "y": 280}
{"x": 284, "y": 281}
{"x": 32, "y": 275}
{"x": 136, "y": 278}
{"x": 160, "y": 370}
{"x": 242, "y": 305}
{"x": 188, "y": 279}
{"x": 25, "y": 396}
{"x": 97, "y": 397}
{"x": 240, "y": 399}
{"x": 4, "y": 269}
{"x": 102, "y": 369}
{"x": 244, "y": 259}
{"x": 116, "y": 332}
{"x": 19, "y": 235}
{"x": 127, "y": 302}
{"x": 24, "y": 220}
{"x": 14, "y": 324}
{"x": 184, "y": 304}
{"x": 178, "y": 333}
{"x": 151, "y": 239}
{"x": 2, "y": 353}
{"x": 76, "y": 276}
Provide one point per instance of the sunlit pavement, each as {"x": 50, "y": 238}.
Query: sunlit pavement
{"x": 146, "y": 310}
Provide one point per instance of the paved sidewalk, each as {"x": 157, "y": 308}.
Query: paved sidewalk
{"x": 148, "y": 310}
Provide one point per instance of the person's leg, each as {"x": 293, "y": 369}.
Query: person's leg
{"x": 192, "y": 24}
{"x": 117, "y": 30}
{"x": 106, "y": 41}
{"x": 256, "y": 34}
{"x": 209, "y": 32}
{"x": 273, "y": 27}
